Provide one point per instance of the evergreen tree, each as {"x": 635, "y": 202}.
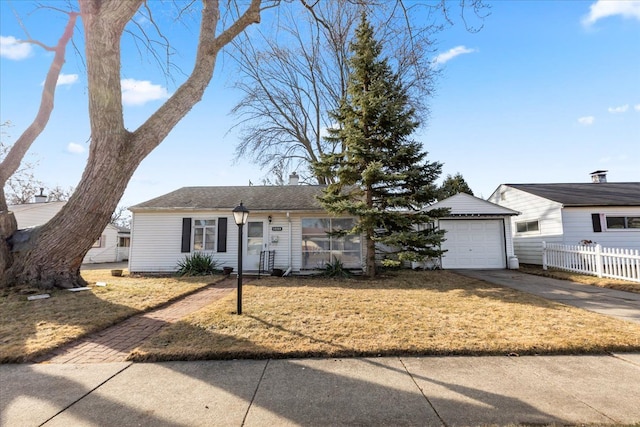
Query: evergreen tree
{"x": 383, "y": 177}
{"x": 453, "y": 185}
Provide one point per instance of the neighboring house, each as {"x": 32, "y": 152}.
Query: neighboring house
{"x": 571, "y": 214}
{"x": 478, "y": 233}
{"x": 112, "y": 246}
{"x": 287, "y": 220}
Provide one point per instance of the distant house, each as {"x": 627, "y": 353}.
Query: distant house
{"x": 478, "y": 233}
{"x": 598, "y": 212}
{"x": 112, "y": 246}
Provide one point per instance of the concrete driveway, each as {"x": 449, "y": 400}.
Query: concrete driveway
{"x": 619, "y": 304}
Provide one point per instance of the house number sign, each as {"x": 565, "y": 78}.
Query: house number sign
{"x": 276, "y": 228}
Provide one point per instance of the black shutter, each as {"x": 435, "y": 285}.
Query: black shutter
{"x": 595, "y": 220}
{"x": 222, "y": 234}
{"x": 186, "y": 234}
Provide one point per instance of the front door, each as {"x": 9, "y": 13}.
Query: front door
{"x": 255, "y": 244}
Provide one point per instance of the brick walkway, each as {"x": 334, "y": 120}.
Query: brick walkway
{"x": 114, "y": 343}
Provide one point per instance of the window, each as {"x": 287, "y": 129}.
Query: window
{"x": 623, "y": 222}
{"x": 527, "y": 226}
{"x": 100, "y": 243}
{"x": 319, "y": 247}
{"x": 204, "y": 234}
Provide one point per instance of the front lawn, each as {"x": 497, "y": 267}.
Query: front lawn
{"x": 406, "y": 313}
{"x": 31, "y": 328}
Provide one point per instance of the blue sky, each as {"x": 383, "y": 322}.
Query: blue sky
{"x": 547, "y": 91}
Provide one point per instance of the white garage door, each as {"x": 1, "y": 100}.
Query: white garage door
{"x": 473, "y": 244}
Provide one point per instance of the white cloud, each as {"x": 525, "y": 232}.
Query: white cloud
{"x": 605, "y": 8}
{"x": 11, "y": 48}
{"x": 636, "y": 107}
{"x": 139, "y": 92}
{"x": 67, "y": 79}
{"x": 587, "y": 120}
{"x": 620, "y": 109}
{"x": 451, "y": 53}
{"x": 74, "y": 148}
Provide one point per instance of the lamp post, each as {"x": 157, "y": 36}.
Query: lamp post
{"x": 240, "y": 215}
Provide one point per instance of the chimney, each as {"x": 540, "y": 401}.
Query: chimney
{"x": 294, "y": 178}
{"x": 41, "y": 198}
{"x": 598, "y": 176}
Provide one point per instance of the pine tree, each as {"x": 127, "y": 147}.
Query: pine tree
{"x": 383, "y": 177}
{"x": 453, "y": 185}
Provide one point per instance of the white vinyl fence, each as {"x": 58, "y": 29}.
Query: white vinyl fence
{"x": 593, "y": 259}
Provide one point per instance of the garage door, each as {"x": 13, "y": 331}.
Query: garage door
{"x": 473, "y": 244}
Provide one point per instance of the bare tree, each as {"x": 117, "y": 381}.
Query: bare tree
{"x": 22, "y": 185}
{"x": 295, "y": 73}
{"x": 121, "y": 217}
{"x": 58, "y": 193}
{"x": 51, "y": 255}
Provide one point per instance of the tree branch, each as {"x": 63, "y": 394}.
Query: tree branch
{"x": 15, "y": 155}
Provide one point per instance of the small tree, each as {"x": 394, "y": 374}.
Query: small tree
{"x": 383, "y": 177}
{"x": 453, "y": 185}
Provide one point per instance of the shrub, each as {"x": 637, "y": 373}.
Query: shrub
{"x": 391, "y": 264}
{"x": 197, "y": 264}
{"x": 336, "y": 269}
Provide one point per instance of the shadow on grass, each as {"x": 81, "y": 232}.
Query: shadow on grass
{"x": 409, "y": 280}
{"x": 40, "y": 329}
{"x": 36, "y": 327}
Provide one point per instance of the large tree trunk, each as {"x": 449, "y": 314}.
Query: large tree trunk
{"x": 51, "y": 255}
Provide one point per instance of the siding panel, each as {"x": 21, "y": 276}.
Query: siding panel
{"x": 528, "y": 246}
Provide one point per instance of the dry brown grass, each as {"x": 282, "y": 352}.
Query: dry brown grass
{"x": 410, "y": 313}
{"x": 621, "y": 285}
{"x": 31, "y": 328}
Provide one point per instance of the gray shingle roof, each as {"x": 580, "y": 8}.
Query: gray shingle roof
{"x": 587, "y": 194}
{"x": 256, "y": 198}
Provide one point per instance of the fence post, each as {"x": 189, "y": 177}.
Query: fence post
{"x": 599, "y": 260}
{"x": 544, "y": 255}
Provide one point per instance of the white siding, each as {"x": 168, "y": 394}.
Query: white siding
{"x": 528, "y": 246}
{"x": 281, "y": 246}
{"x": 296, "y": 234}
{"x": 156, "y": 239}
{"x": 108, "y": 250}
{"x": 578, "y": 226}
{"x": 466, "y": 204}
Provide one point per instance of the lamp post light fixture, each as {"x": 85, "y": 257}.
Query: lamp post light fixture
{"x": 240, "y": 215}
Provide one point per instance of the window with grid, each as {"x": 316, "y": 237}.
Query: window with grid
{"x": 320, "y": 247}
{"x": 204, "y": 234}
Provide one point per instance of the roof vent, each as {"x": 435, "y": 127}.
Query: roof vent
{"x": 294, "y": 178}
{"x": 41, "y": 198}
{"x": 599, "y": 176}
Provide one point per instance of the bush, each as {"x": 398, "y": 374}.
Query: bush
{"x": 197, "y": 264}
{"x": 336, "y": 269}
{"x": 391, "y": 264}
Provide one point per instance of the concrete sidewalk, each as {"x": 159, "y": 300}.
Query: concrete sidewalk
{"x": 610, "y": 302}
{"x": 312, "y": 392}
